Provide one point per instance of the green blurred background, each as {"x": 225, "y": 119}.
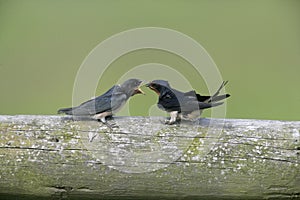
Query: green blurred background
{"x": 255, "y": 44}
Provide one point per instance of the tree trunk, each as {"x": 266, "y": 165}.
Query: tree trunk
{"x": 56, "y": 157}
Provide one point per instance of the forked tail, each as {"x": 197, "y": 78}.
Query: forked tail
{"x": 215, "y": 97}
{"x": 67, "y": 111}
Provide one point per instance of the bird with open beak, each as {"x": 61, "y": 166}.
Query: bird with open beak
{"x": 183, "y": 105}
{"x": 108, "y": 103}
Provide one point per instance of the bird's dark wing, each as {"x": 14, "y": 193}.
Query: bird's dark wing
{"x": 175, "y": 100}
{"x": 118, "y": 99}
{"x": 190, "y": 106}
{"x": 169, "y": 104}
{"x": 214, "y": 98}
{"x": 193, "y": 94}
{"x": 168, "y": 101}
{"x": 105, "y": 102}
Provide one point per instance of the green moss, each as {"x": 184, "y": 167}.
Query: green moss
{"x": 32, "y": 180}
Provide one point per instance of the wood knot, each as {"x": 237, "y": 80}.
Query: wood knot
{"x": 54, "y": 139}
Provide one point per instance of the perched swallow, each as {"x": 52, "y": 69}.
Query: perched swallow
{"x": 108, "y": 103}
{"x": 183, "y": 105}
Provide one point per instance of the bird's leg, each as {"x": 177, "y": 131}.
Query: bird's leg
{"x": 101, "y": 118}
{"x": 109, "y": 125}
{"x": 173, "y": 118}
{"x": 109, "y": 117}
{"x": 112, "y": 125}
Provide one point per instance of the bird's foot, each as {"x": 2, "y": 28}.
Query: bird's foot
{"x": 110, "y": 117}
{"x": 111, "y": 126}
{"x": 170, "y": 122}
{"x": 174, "y": 118}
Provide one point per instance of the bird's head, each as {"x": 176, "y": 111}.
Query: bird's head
{"x": 132, "y": 87}
{"x": 158, "y": 86}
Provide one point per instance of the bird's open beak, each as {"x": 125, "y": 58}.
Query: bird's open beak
{"x": 138, "y": 90}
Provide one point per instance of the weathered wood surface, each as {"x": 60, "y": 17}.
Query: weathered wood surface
{"x": 55, "y": 157}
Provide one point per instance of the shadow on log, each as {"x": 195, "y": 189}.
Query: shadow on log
{"x": 56, "y": 157}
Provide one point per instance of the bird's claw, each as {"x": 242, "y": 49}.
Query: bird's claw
{"x": 169, "y": 122}
{"x": 110, "y": 117}
{"x": 114, "y": 125}
{"x": 109, "y": 125}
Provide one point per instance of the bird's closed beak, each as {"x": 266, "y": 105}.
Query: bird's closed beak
{"x": 152, "y": 88}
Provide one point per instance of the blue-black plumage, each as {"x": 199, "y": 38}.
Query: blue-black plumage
{"x": 108, "y": 103}
{"x": 186, "y": 105}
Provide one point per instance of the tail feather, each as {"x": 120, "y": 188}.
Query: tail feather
{"x": 212, "y": 98}
{"x": 215, "y": 97}
{"x": 219, "y": 98}
{"x": 216, "y": 104}
{"x": 202, "y": 98}
{"x": 208, "y": 105}
{"x": 68, "y": 111}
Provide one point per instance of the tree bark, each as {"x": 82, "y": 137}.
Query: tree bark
{"x": 58, "y": 157}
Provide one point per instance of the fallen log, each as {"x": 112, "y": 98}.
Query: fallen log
{"x": 58, "y": 157}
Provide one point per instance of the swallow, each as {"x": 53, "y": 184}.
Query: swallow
{"x": 184, "y": 105}
{"x": 107, "y": 104}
